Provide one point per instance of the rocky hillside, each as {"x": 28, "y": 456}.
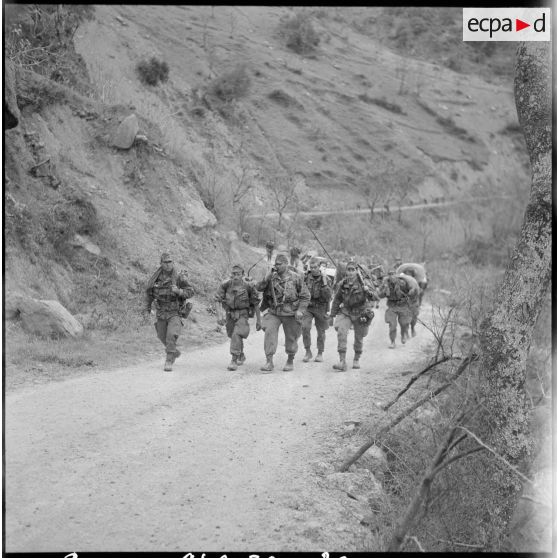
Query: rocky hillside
{"x": 257, "y": 99}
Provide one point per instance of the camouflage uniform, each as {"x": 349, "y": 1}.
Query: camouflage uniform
{"x": 320, "y": 288}
{"x": 402, "y": 293}
{"x": 239, "y": 298}
{"x": 169, "y": 305}
{"x": 352, "y": 306}
{"x": 284, "y": 294}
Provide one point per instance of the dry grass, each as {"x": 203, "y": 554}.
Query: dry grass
{"x": 32, "y": 360}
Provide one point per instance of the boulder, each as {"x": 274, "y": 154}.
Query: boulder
{"x": 126, "y": 133}
{"x": 373, "y": 459}
{"x": 80, "y": 241}
{"x": 47, "y": 318}
{"x": 196, "y": 216}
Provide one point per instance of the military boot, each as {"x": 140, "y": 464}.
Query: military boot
{"x": 356, "y": 363}
{"x": 241, "y": 359}
{"x": 268, "y": 366}
{"x": 319, "y": 357}
{"x": 307, "y": 356}
{"x": 404, "y": 337}
{"x": 289, "y": 365}
{"x": 168, "y": 363}
{"x": 234, "y": 364}
{"x": 341, "y": 365}
{"x": 413, "y": 332}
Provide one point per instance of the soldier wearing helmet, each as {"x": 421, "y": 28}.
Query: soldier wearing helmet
{"x": 286, "y": 297}
{"x": 402, "y": 293}
{"x": 352, "y": 307}
{"x": 169, "y": 290}
{"x": 239, "y": 300}
{"x": 320, "y": 287}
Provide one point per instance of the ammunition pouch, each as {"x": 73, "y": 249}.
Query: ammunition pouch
{"x": 366, "y": 316}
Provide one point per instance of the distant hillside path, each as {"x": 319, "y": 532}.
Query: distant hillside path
{"x": 379, "y": 209}
{"x": 196, "y": 459}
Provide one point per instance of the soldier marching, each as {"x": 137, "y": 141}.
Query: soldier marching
{"x": 297, "y": 293}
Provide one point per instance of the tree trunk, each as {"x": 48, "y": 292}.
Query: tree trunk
{"x": 507, "y": 331}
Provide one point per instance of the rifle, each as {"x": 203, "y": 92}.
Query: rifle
{"x": 253, "y": 266}
{"x": 273, "y": 290}
{"x": 323, "y": 248}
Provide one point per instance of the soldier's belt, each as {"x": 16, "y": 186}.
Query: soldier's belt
{"x": 236, "y": 313}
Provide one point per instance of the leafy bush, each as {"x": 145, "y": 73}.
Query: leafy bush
{"x": 299, "y": 34}
{"x": 152, "y": 71}
{"x": 230, "y": 86}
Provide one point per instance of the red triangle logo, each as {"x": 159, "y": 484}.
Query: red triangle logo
{"x": 519, "y": 25}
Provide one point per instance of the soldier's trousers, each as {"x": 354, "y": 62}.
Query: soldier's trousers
{"x": 402, "y": 314}
{"x": 237, "y": 330}
{"x": 168, "y": 331}
{"x": 414, "y": 313}
{"x": 291, "y": 328}
{"x": 318, "y": 315}
{"x": 342, "y": 325}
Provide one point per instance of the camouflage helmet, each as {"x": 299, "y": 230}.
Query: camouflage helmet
{"x": 237, "y": 267}
{"x": 165, "y": 256}
{"x": 281, "y": 258}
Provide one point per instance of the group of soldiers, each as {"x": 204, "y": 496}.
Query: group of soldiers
{"x": 294, "y": 296}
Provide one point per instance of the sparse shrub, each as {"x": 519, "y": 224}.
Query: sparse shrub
{"x": 198, "y": 112}
{"x": 320, "y": 13}
{"x": 17, "y": 218}
{"x": 230, "y": 86}
{"x": 61, "y": 223}
{"x": 300, "y": 34}
{"x": 40, "y": 93}
{"x": 454, "y": 63}
{"x": 40, "y": 38}
{"x": 284, "y": 99}
{"x": 419, "y": 25}
{"x": 382, "y": 102}
{"x": 35, "y": 33}
{"x": 152, "y": 71}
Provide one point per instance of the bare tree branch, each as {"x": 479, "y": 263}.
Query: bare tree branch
{"x": 499, "y": 457}
{"x": 415, "y": 378}
{"x": 416, "y": 541}
{"x": 457, "y": 457}
{"x": 465, "y": 545}
{"x": 424, "y": 489}
{"x": 360, "y": 452}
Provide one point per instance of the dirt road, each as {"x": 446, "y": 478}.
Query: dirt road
{"x": 194, "y": 459}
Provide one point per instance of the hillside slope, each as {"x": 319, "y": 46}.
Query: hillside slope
{"x": 335, "y": 117}
{"x": 348, "y": 115}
